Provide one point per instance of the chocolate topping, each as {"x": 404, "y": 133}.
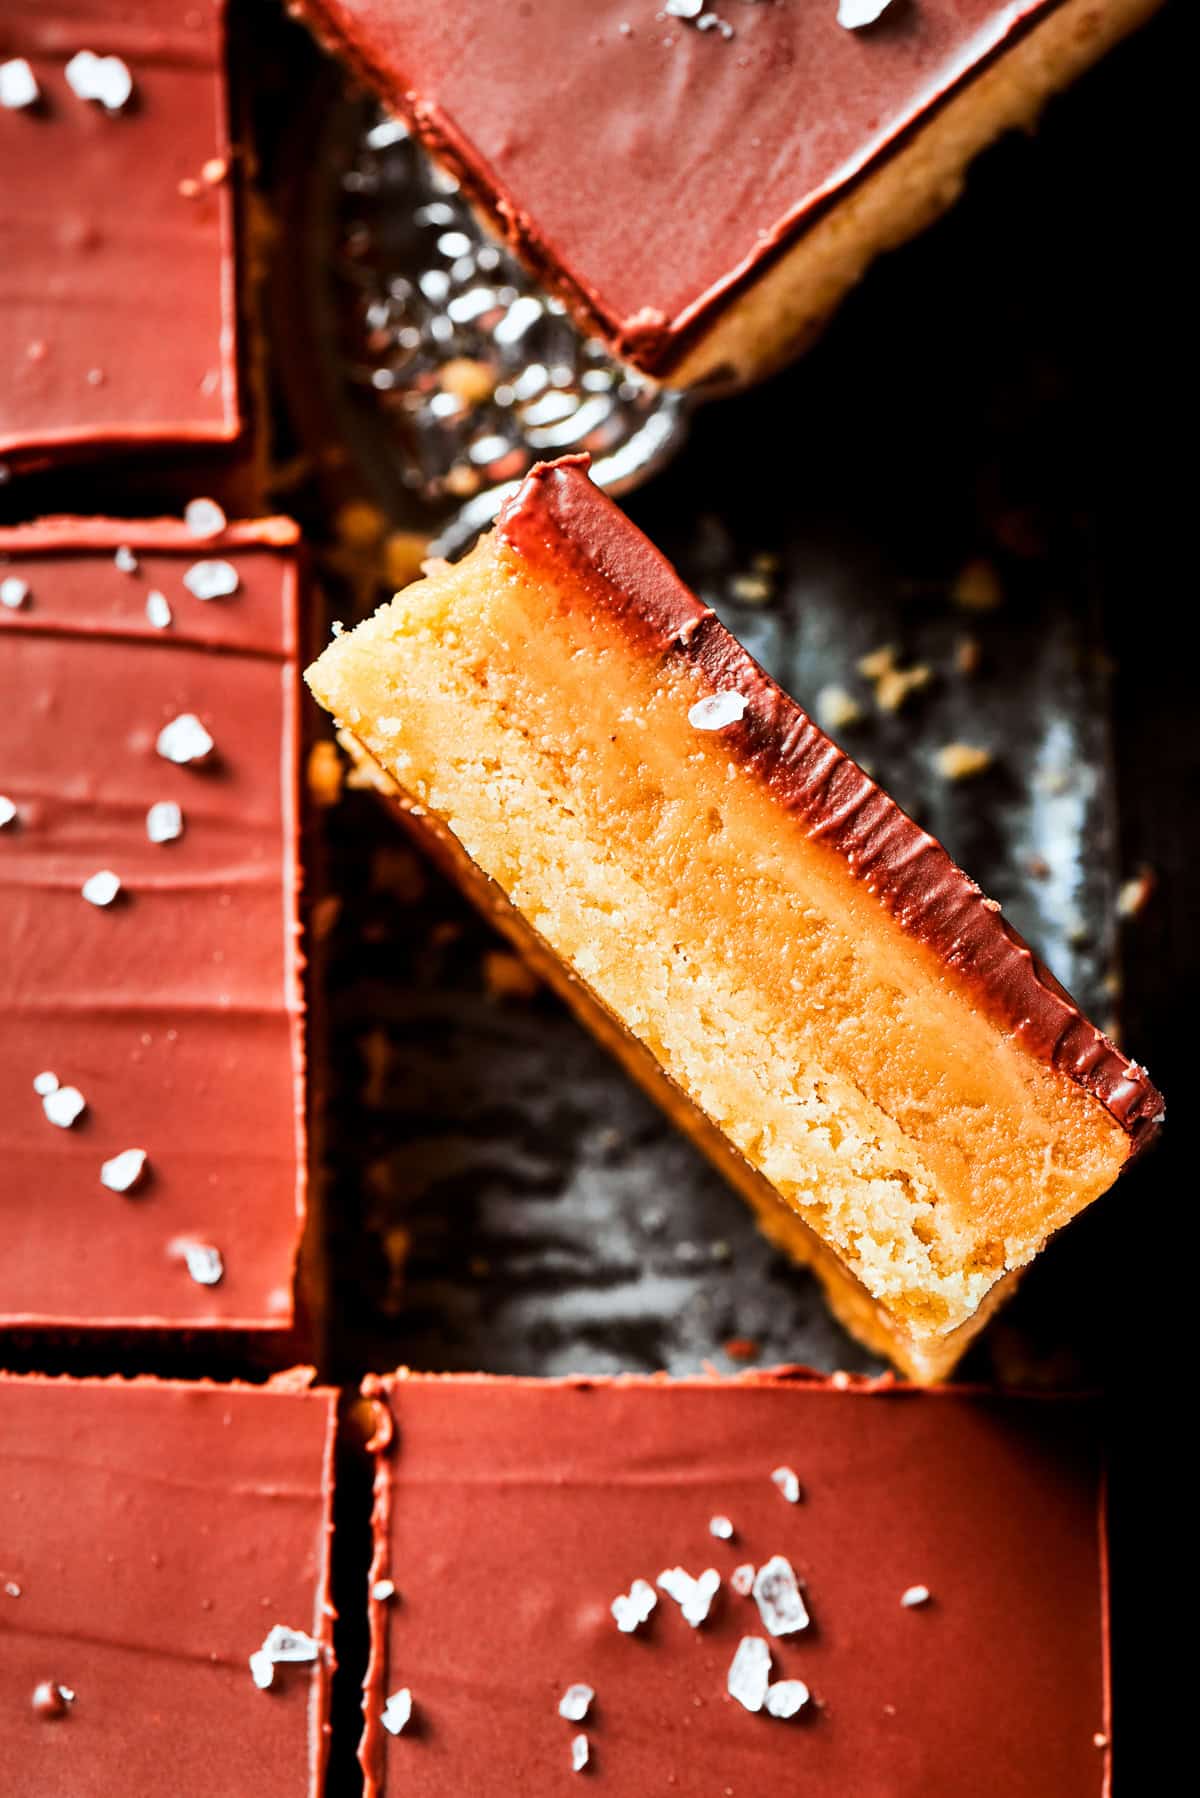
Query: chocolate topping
{"x": 175, "y": 1010}
{"x": 157, "y": 1531}
{"x": 558, "y": 513}
{"x": 118, "y": 301}
{"x": 568, "y": 119}
{"x": 518, "y": 1509}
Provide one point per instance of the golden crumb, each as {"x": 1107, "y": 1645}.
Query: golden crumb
{"x": 214, "y": 170}
{"x": 468, "y": 380}
{"x": 323, "y": 916}
{"x": 506, "y": 976}
{"x": 837, "y": 709}
{"x": 895, "y": 687}
{"x": 325, "y": 773}
{"x": 977, "y": 587}
{"x": 751, "y": 589}
{"x": 878, "y": 663}
{"x": 967, "y": 655}
{"x": 960, "y": 761}
{"x": 462, "y": 481}
{"x": 1135, "y": 893}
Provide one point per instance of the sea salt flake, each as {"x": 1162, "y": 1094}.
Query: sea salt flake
{"x": 63, "y": 1105}
{"x": 13, "y": 592}
{"x": 125, "y": 559}
{"x": 693, "y": 1596}
{"x": 206, "y": 1267}
{"x": 45, "y": 1083}
{"x": 717, "y": 710}
{"x": 721, "y": 1528}
{"x": 777, "y": 1595}
{"x": 289, "y": 1646}
{"x": 575, "y": 1703}
{"x": 18, "y": 85}
{"x": 789, "y": 1484}
{"x": 12, "y": 1589}
{"x": 383, "y": 1590}
{"x": 102, "y": 887}
{"x": 211, "y": 580}
{"x": 8, "y": 810}
{"x": 633, "y": 1608}
{"x": 203, "y": 517}
{"x": 684, "y": 9}
{"x": 184, "y": 739}
{"x": 786, "y": 1697}
{"x": 742, "y": 1579}
{"x": 262, "y": 1670}
{"x": 123, "y": 1171}
{"x": 750, "y": 1673}
{"x": 914, "y": 1596}
{"x": 164, "y": 821}
{"x": 102, "y": 78}
{"x": 580, "y": 1751}
{"x": 854, "y": 14}
{"x": 157, "y": 609}
{"x": 397, "y": 1712}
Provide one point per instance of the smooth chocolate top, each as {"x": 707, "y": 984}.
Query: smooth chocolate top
{"x": 118, "y": 302}
{"x": 511, "y": 1513}
{"x": 151, "y": 1534}
{"x": 176, "y": 1010}
{"x": 557, "y": 512}
{"x": 644, "y": 166}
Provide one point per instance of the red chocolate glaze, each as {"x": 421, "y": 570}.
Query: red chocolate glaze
{"x": 568, "y": 119}
{"x": 510, "y": 1513}
{"x": 151, "y": 1533}
{"x": 118, "y": 299}
{"x": 558, "y": 513}
{"x": 176, "y": 1011}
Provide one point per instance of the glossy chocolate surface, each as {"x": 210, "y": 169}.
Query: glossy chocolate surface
{"x": 176, "y": 1009}
{"x": 151, "y": 1534}
{"x": 569, "y": 119}
{"x": 511, "y": 1513}
{"x": 559, "y": 514}
{"x": 118, "y": 302}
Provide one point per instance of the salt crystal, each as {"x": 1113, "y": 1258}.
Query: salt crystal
{"x": 206, "y": 1267}
{"x": 777, "y": 1596}
{"x": 721, "y": 1528}
{"x": 164, "y": 821}
{"x": 742, "y": 1579}
{"x": 717, "y": 710}
{"x": 157, "y": 609}
{"x": 684, "y": 9}
{"x": 123, "y": 1171}
{"x": 262, "y": 1669}
{"x": 579, "y": 1753}
{"x": 45, "y": 1083}
{"x": 913, "y": 1596}
{"x": 383, "y": 1590}
{"x": 13, "y": 592}
{"x": 575, "y": 1703}
{"x": 289, "y": 1645}
{"x": 786, "y": 1697}
{"x": 203, "y": 517}
{"x": 184, "y": 740}
{"x": 63, "y": 1105}
{"x": 633, "y": 1609}
{"x": 12, "y": 1589}
{"x": 211, "y": 580}
{"x": 125, "y": 560}
{"x": 103, "y": 78}
{"x": 397, "y": 1712}
{"x": 8, "y": 810}
{"x": 693, "y": 1596}
{"x": 750, "y": 1673}
{"x": 18, "y": 85}
{"x": 102, "y": 887}
{"x": 789, "y": 1484}
{"x": 854, "y": 14}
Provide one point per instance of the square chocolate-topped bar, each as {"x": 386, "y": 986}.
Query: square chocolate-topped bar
{"x": 704, "y": 183}
{"x": 118, "y": 281}
{"x": 769, "y": 1584}
{"x": 165, "y": 1624}
{"x": 152, "y": 1119}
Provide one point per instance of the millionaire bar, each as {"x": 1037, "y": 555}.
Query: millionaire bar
{"x": 773, "y": 1583}
{"x": 797, "y": 970}
{"x": 118, "y": 279}
{"x": 165, "y": 1623}
{"x": 152, "y": 1117}
{"x": 703, "y": 184}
